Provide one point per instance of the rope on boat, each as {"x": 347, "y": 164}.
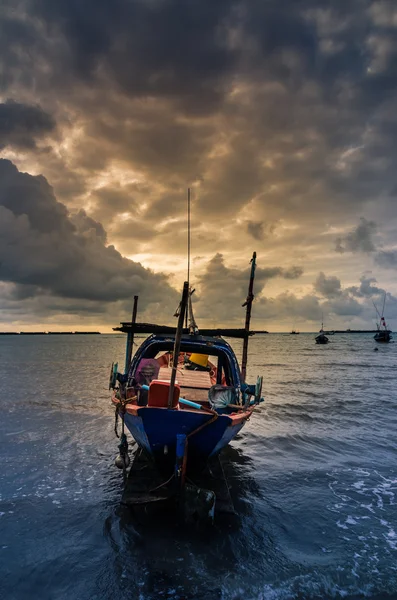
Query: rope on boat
{"x": 123, "y": 460}
{"x": 214, "y": 418}
{"x": 162, "y": 484}
{"x": 121, "y": 409}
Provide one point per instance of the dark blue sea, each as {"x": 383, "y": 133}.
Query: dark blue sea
{"x": 313, "y": 477}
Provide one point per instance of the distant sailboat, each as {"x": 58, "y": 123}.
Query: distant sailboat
{"x": 383, "y": 335}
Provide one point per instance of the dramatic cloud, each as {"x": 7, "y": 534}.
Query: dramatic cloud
{"x": 222, "y": 290}
{"x": 44, "y": 250}
{"x": 360, "y": 239}
{"x": 338, "y": 301}
{"x": 280, "y": 116}
{"x": 367, "y": 289}
{"x": 256, "y": 229}
{"x": 327, "y": 286}
{"x": 21, "y": 125}
{"x": 293, "y": 272}
{"x": 388, "y": 260}
{"x": 342, "y": 306}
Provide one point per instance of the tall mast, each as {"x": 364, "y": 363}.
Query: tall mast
{"x": 177, "y": 343}
{"x": 188, "y": 254}
{"x": 383, "y": 312}
{"x": 130, "y": 337}
{"x": 248, "y": 304}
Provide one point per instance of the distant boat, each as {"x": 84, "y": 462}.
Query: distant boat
{"x": 321, "y": 338}
{"x": 329, "y": 332}
{"x": 294, "y": 332}
{"x": 383, "y": 335}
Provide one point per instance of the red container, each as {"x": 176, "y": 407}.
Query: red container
{"x": 159, "y": 392}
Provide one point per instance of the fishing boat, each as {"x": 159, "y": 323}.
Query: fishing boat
{"x": 183, "y": 396}
{"x": 294, "y": 332}
{"x": 383, "y": 334}
{"x": 321, "y": 338}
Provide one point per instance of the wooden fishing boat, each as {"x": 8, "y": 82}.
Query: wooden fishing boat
{"x": 182, "y": 396}
{"x": 321, "y": 338}
{"x": 383, "y": 334}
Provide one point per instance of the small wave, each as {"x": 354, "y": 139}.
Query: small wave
{"x": 313, "y": 586}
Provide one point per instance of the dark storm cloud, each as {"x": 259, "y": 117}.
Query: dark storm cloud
{"x": 360, "y": 239}
{"x": 173, "y": 48}
{"x": 293, "y": 272}
{"x": 280, "y": 112}
{"x": 387, "y": 260}
{"x": 259, "y": 230}
{"x": 49, "y": 251}
{"x": 32, "y": 201}
{"x": 327, "y": 286}
{"x": 114, "y": 200}
{"x": 21, "y": 125}
{"x": 284, "y": 89}
{"x": 256, "y": 229}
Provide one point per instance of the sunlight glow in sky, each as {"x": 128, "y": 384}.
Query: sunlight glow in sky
{"x": 279, "y": 115}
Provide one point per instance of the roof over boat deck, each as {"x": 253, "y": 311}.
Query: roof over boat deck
{"x": 147, "y": 328}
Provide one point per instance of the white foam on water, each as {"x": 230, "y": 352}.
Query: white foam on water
{"x": 364, "y": 509}
{"x": 358, "y": 485}
{"x": 350, "y": 520}
{"x": 312, "y": 586}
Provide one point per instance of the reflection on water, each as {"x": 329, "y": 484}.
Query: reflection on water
{"x": 158, "y": 556}
{"x": 312, "y": 476}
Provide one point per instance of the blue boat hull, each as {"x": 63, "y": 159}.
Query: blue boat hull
{"x": 155, "y": 430}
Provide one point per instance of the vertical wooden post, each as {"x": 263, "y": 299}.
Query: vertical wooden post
{"x": 248, "y": 304}
{"x": 130, "y": 337}
{"x": 177, "y": 344}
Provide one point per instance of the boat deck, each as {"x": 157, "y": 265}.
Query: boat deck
{"x": 194, "y": 384}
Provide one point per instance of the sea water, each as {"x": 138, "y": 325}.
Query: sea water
{"x": 313, "y": 476}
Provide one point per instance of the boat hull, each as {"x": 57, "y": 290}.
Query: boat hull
{"x": 156, "y": 429}
{"x": 321, "y": 340}
{"x": 382, "y": 339}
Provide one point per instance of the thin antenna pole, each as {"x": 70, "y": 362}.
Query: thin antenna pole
{"x": 379, "y": 315}
{"x": 383, "y": 307}
{"x": 188, "y": 235}
{"x": 188, "y": 254}
{"x": 376, "y": 309}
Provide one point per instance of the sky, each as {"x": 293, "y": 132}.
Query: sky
{"x": 280, "y": 117}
